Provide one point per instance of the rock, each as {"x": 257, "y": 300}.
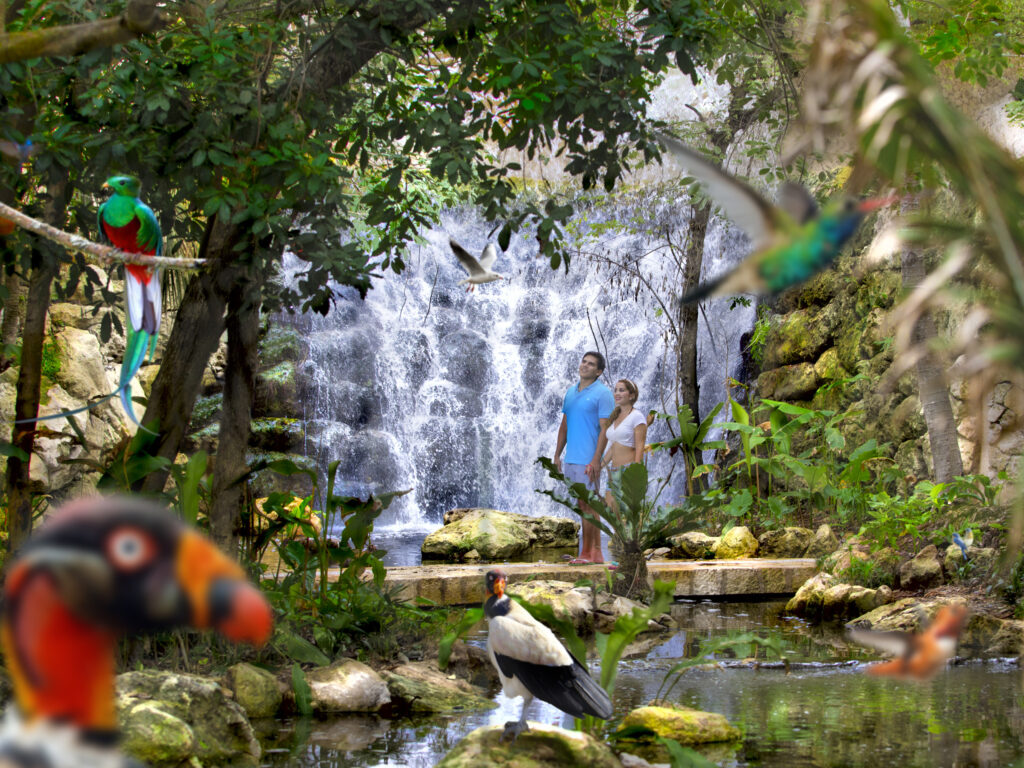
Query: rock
{"x": 798, "y": 337}
{"x": 472, "y": 664}
{"x": 543, "y": 746}
{"x": 979, "y": 560}
{"x": 790, "y": 382}
{"x": 1008, "y": 639}
{"x": 784, "y": 542}
{"x": 347, "y": 686}
{"x": 822, "y": 543}
{"x": 421, "y": 687}
{"x": 923, "y": 571}
{"x": 577, "y": 604}
{"x": 907, "y": 420}
{"x": 256, "y": 690}
{"x": 81, "y": 370}
{"x": 466, "y": 359}
{"x": 906, "y": 615}
{"x": 694, "y": 545}
{"x": 496, "y": 535}
{"x": 842, "y": 601}
{"x": 841, "y": 560}
{"x": 685, "y": 725}
{"x": 276, "y": 391}
{"x": 169, "y": 718}
{"x": 980, "y": 631}
{"x": 808, "y": 599}
{"x": 737, "y": 542}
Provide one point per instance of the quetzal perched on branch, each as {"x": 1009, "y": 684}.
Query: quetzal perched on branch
{"x": 129, "y": 224}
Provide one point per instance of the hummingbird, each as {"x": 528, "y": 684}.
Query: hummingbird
{"x": 918, "y": 655}
{"x": 791, "y": 241}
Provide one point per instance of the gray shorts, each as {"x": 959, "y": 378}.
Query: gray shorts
{"x": 577, "y": 473}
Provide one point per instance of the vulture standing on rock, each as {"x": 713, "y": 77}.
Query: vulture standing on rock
{"x": 532, "y": 663}
{"x": 100, "y": 568}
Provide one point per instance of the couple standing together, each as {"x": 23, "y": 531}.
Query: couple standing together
{"x": 594, "y": 419}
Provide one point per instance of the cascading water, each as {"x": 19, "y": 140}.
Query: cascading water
{"x": 456, "y": 394}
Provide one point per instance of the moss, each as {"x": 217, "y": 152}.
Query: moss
{"x": 205, "y": 409}
{"x": 52, "y": 352}
{"x": 282, "y": 373}
{"x": 281, "y": 344}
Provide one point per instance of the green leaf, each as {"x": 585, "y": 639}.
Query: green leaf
{"x": 469, "y": 619}
{"x": 300, "y": 649}
{"x": 303, "y": 693}
{"x": 8, "y": 449}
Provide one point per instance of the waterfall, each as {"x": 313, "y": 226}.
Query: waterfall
{"x": 456, "y": 394}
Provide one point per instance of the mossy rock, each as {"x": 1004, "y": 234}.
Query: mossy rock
{"x": 735, "y": 543}
{"x": 685, "y": 725}
{"x": 543, "y": 746}
{"x": 789, "y": 382}
{"x": 282, "y": 435}
{"x": 801, "y": 336}
{"x": 167, "y": 718}
{"x": 281, "y": 344}
{"x": 495, "y": 535}
{"x": 277, "y": 391}
{"x": 791, "y": 541}
{"x": 267, "y": 481}
{"x": 256, "y": 690}
{"x": 206, "y": 411}
{"x": 419, "y": 689}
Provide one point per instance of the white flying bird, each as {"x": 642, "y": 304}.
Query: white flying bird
{"x": 479, "y": 271}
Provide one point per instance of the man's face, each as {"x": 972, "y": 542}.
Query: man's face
{"x": 588, "y": 368}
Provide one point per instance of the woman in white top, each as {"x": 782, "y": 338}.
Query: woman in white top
{"x": 627, "y": 428}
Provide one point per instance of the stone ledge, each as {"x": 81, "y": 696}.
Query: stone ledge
{"x": 464, "y": 584}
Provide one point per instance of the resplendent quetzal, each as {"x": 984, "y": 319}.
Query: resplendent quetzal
{"x": 129, "y": 224}
{"x": 790, "y": 242}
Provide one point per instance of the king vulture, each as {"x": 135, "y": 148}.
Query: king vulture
{"x": 531, "y": 662}
{"x": 97, "y": 569}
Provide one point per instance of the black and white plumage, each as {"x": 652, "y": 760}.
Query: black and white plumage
{"x": 479, "y": 271}
{"x": 532, "y": 663}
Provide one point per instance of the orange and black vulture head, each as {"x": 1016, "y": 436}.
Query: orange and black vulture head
{"x": 100, "y": 568}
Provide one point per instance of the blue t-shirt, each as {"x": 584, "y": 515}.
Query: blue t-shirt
{"x": 582, "y": 410}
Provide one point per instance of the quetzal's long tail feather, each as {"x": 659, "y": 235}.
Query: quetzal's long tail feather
{"x": 134, "y": 355}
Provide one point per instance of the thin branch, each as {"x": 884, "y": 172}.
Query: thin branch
{"x": 140, "y": 17}
{"x": 104, "y": 254}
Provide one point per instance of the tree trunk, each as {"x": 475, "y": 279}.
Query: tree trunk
{"x": 931, "y": 383}
{"x": 198, "y": 326}
{"x": 236, "y": 416}
{"x": 26, "y": 404}
{"x": 14, "y": 311}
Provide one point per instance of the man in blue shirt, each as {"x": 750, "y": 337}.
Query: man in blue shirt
{"x": 582, "y": 433}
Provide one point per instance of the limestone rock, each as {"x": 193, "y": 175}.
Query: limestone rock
{"x": 496, "y": 535}
{"x": 790, "y": 382}
{"x": 841, "y": 560}
{"x": 81, "y": 370}
{"x": 842, "y": 601}
{"x": 421, "y": 687}
{"x": 923, "y": 571}
{"x": 347, "y": 686}
{"x": 694, "y": 545}
{"x": 906, "y": 615}
{"x": 543, "y": 746}
{"x": 737, "y": 542}
{"x": 577, "y": 604}
{"x": 799, "y": 337}
{"x": 784, "y": 542}
{"x": 808, "y": 599}
{"x": 256, "y": 690}
{"x": 168, "y": 718}
{"x": 979, "y": 560}
{"x": 823, "y": 542}
{"x": 685, "y": 725}
{"x": 980, "y": 631}
{"x": 1008, "y": 639}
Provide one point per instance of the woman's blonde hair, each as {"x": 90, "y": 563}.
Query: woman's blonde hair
{"x": 634, "y": 392}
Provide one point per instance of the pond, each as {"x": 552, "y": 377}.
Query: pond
{"x": 823, "y": 712}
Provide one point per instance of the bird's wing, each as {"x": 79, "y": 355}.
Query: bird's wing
{"x": 471, "y": 264}
{"x": 570, "y": 688}
{"x": 754, "y": 215}
{"x": 99, "y": 225}
{"x": 892, "y": 643}
{"x": 149, "y": 236}
{"x": 517, "y": 635}
{"x": 968, "y": 537}
{"x": 797, "y": 202}
{"x": 488, "y": 257}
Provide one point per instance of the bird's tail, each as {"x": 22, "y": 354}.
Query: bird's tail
{"x": 64, "y": 414}
{"x": 139, "y": 343}
{"x": 704, "y": 290}
{"x": 593, "y": 697}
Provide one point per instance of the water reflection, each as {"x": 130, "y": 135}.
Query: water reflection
{"x": 822, "y": 716}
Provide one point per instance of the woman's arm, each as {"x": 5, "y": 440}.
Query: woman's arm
{"x": 639, "y": 441}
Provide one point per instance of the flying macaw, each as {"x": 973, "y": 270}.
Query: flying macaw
{"x": 129, "y": 224}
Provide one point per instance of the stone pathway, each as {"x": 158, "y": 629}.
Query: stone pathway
{"x": 464, "y": 584}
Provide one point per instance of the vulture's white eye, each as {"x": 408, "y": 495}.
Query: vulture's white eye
{"x": 129, "y": 548}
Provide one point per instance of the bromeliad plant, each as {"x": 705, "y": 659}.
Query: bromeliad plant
{"x": 633, "y": 519}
